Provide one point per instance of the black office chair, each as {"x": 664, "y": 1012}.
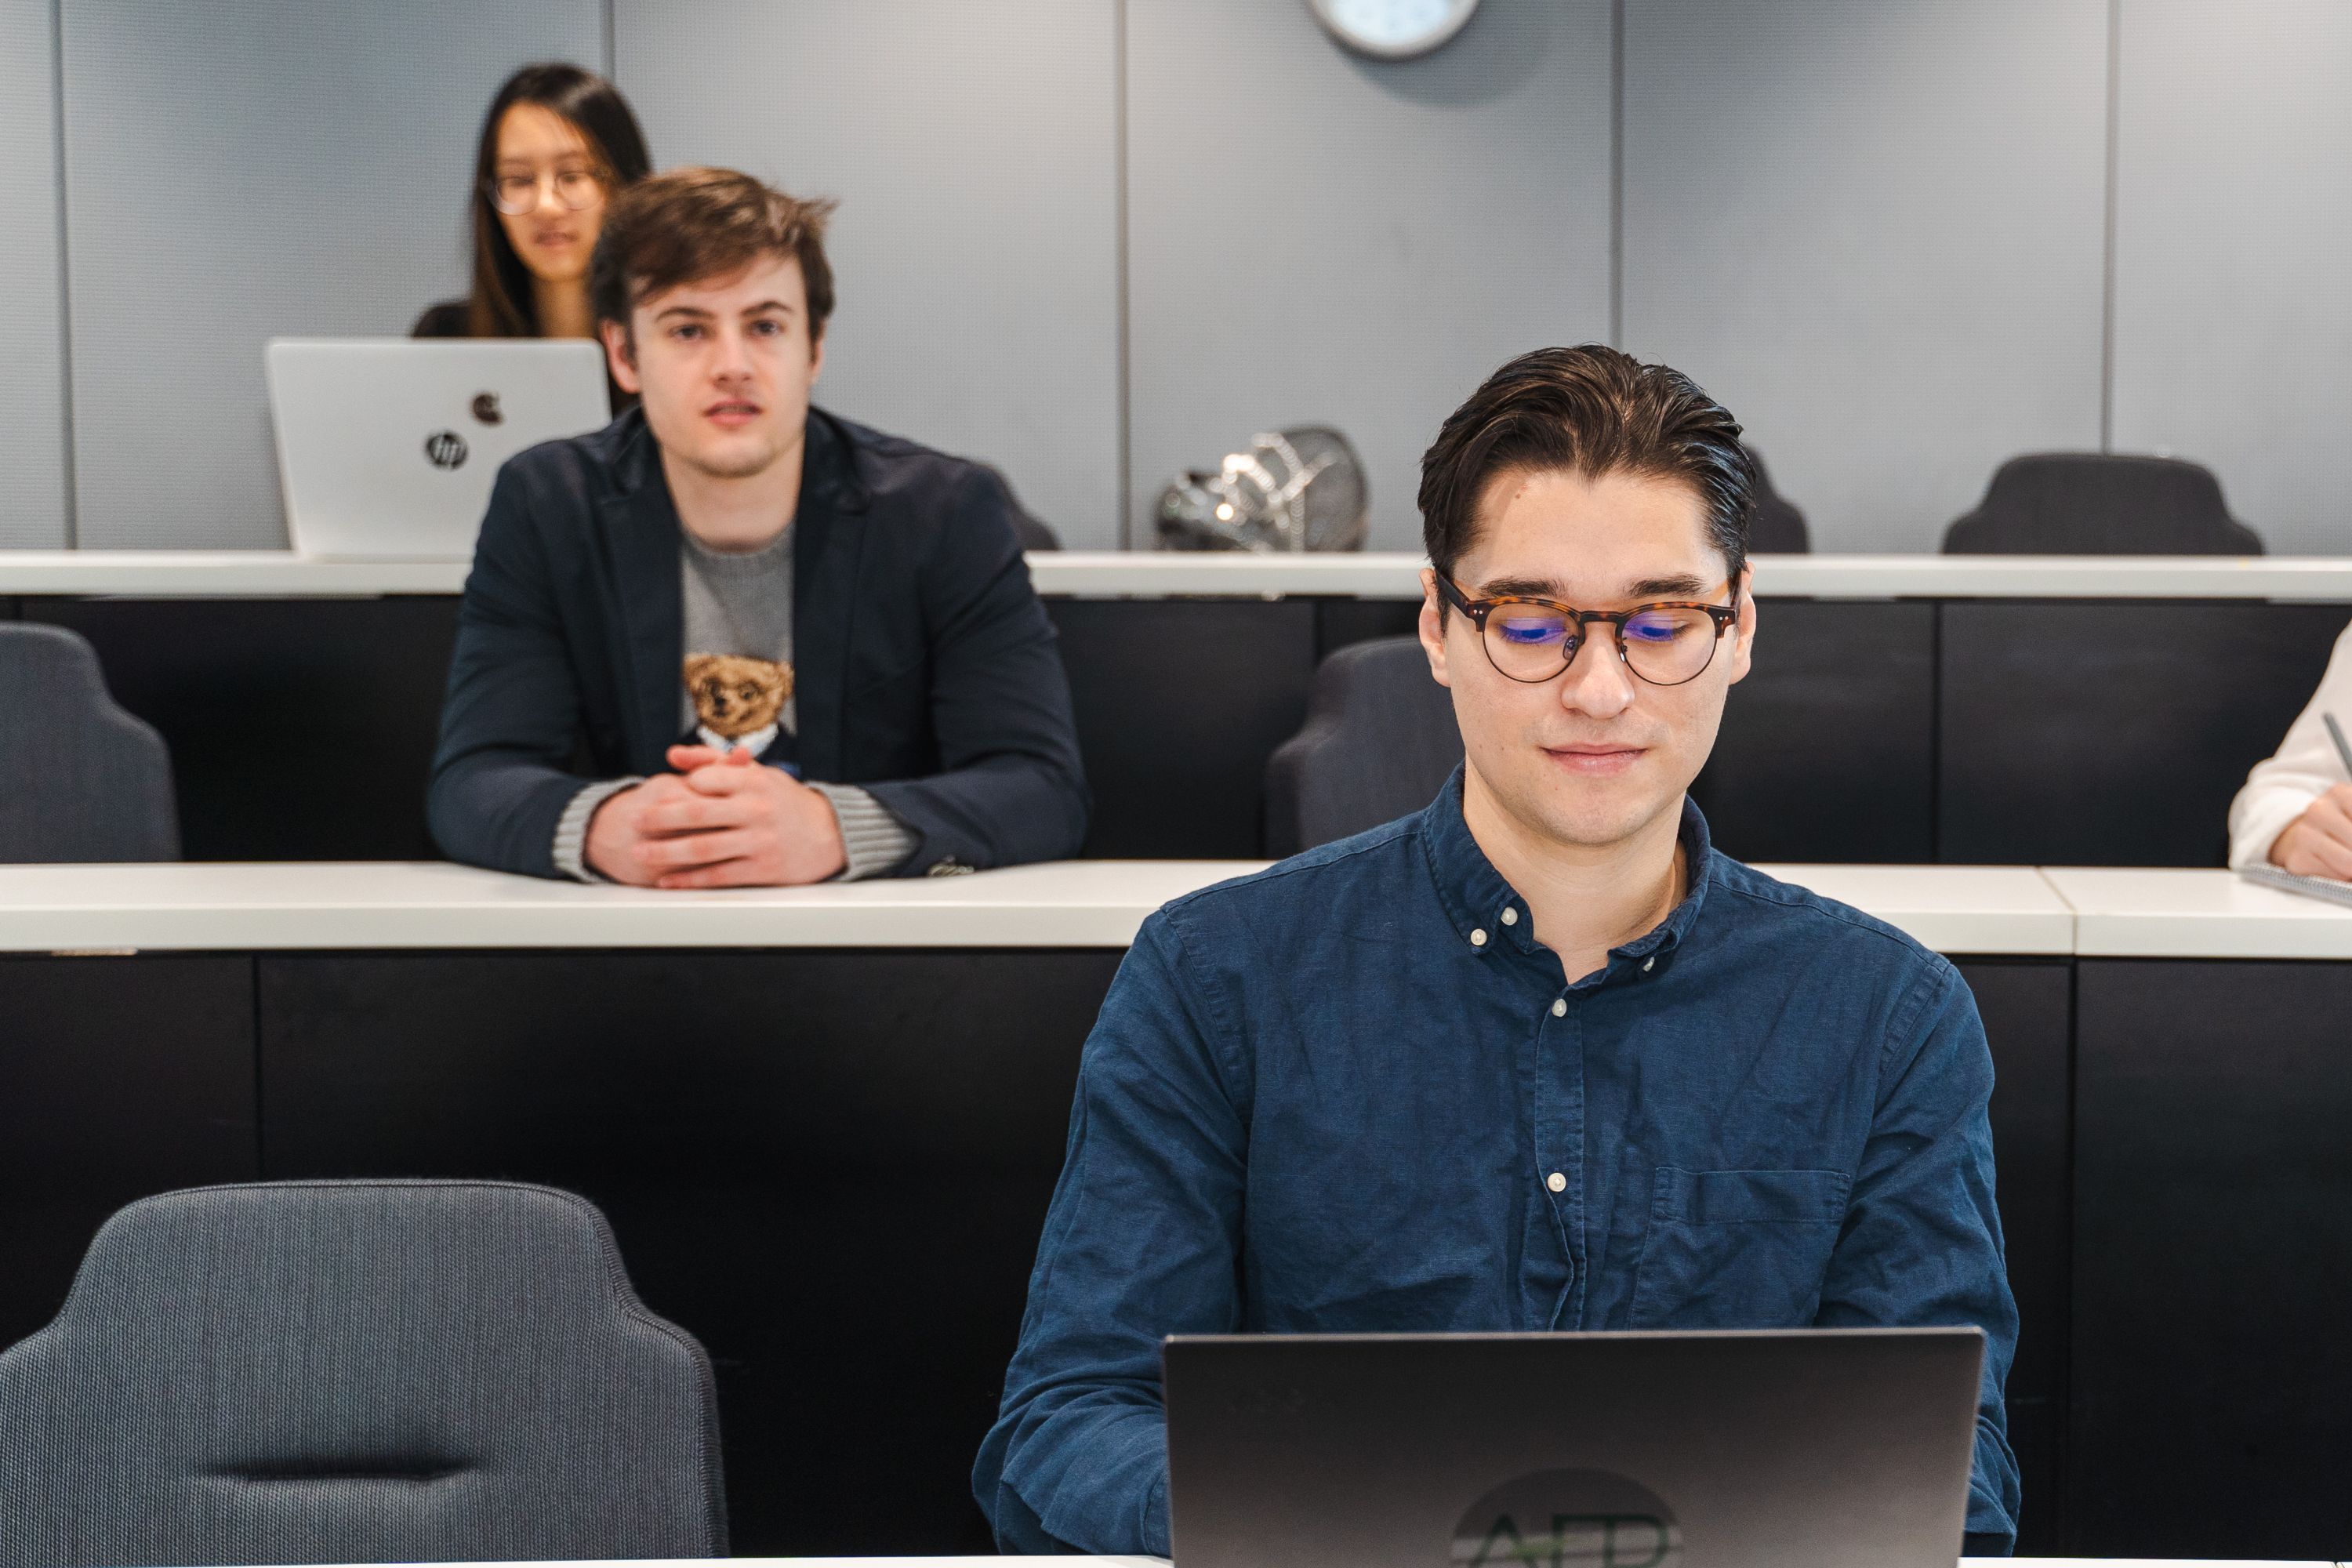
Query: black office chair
{"x": 80, "y": 779}
{"x": 356, "y": 1372}
{"x": 1035, "y": 534}
{"x": 1378, "y": 741}
{"x": 1776, "y": 527}
{"x": 2089, "y": 503}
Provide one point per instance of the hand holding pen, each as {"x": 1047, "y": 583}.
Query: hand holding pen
{"x": 2319, "y": 842}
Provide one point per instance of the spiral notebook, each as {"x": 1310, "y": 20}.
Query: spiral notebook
{"x": 2335, "y": 892}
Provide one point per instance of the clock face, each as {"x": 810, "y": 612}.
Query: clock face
{"x": 1393, "y": 29}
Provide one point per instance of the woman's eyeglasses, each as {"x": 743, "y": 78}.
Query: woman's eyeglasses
{"x": 575, "y": 190}
{"x": 1531, "y": 640}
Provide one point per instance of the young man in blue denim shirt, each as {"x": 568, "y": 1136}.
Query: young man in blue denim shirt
{"x": 1536, "y": 1058}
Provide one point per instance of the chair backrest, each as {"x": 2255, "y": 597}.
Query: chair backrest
{"x": 1378, "y": 741}
{"x": 356, "y": 1372}
{"x": 1777, "y": 527}
{"x": 2092, "y": 503}
{"x": 1034, "y": 533}
{"x": 79, "y": 778}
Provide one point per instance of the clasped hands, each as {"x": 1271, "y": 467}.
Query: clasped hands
{"x": 722, "y": 820}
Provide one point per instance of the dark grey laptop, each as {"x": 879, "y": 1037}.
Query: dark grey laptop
{"x": 1785, "y": 1449}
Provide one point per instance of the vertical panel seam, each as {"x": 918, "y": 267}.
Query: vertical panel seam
{"x": 2107, "y": 231}
{"x": 1936, "y": 730}
{"x": 2065, "y": 1329}
{"x": 1617, "y": 174}
{"x": 1124, "y": 364}
{"x": 254, "y": 1017}
{"x": 611, "y": 50}
{"x": 68, "y": 489}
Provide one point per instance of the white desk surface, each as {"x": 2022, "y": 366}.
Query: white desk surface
{"x": 2163, "y": 913}
{"x": 283, "y": 906}
{"x": 1162, "y": 1562}
{"x": 1117, "y": 573}
{"x": 2323, "y": 579}
{"x": 947, "y": 1562}
{"x": 292, "y": 905}
{"x": 280, "y": 906}
{"x": 1952, "y": 909}
{"x": 219, "y": 574}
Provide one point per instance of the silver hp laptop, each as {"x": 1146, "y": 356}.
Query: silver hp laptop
{"x": 1789, "y": 1448}
{"x": 387, "y": 446}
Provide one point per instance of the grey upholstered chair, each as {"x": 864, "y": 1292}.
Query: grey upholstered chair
{"x": 2092, "y": 503}
{"x": 1378, "y": 741}
{"x": 79, "y": 778}
{"x": 356, "y": 1372}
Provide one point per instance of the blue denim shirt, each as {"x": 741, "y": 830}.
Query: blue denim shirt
{"x": 1351, "y": 1094}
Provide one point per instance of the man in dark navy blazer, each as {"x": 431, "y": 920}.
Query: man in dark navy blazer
{"x": 926, "y": 727}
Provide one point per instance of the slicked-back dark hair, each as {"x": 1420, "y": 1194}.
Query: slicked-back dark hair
{"x": 1587, "y": 410}
{"x": 691, "y": 225}
{"x": 501, "y": 302}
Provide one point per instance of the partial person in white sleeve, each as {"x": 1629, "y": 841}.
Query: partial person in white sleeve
{"x": 2294, "y": 811}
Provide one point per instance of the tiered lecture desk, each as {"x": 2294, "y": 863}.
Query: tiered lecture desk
{"x": 825, "y": 1123}
{"x": 1978, "y": 710}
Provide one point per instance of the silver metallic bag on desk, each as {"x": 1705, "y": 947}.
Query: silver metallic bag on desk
{"x": 1290, "y": 490}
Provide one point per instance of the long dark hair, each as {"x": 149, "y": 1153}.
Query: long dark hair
{"x": 502, "y": 304}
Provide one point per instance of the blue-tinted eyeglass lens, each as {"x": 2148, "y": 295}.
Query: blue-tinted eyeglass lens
{"x": 1528, "y": 641}
{"x": 1667, "y": 646}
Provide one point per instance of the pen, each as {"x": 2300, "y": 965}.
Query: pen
{"x": 2343, "y": 747}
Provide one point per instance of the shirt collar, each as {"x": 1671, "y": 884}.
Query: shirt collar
{"x": 756, "y": 742}
{"x": 1477, "y": 900}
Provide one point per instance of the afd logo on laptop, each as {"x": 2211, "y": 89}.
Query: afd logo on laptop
{"x": 1569, "y": 1518}
{"x": 444, "y": 449}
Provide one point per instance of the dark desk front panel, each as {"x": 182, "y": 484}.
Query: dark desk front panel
{"x": 2030, "y": 733}
{"x": 119, "y": 1076}
{"x": 831, "y": 1167}
{"x": 303, "y": 729}
{"x": 1827, "y": 750}
{"x": 300, "y": 728}
{"x": 2114, "y": 731}
{"x": 1180, "y": 702}
{"x": 2025, "y": 1003}
{"x": 2212, "y": 1343}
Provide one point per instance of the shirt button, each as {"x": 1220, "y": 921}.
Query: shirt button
{"x": 1510, "y": 917}
{"x": 1648, "y": 962}
{"x": 1556, "y": 1182}
{"x": 1478, "y": 939}
{"x": 1559, "y": 1007}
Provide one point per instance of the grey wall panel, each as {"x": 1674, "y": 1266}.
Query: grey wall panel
{"x": 236, "y": 171}
{"x": 1874, "y": 228}
{"x": 32, "y": 396}
{"x": 2233, "y": 223}
{"x": 1314, "y": 237}
{"x": 974, "y": 152}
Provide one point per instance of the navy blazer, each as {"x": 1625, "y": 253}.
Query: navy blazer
{"x": 926, "y": 670}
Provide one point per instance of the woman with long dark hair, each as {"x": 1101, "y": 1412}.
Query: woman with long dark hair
{"x": 557, "y": 143}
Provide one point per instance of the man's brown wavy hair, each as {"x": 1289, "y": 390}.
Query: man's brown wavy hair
{"x": 692, "y": 226}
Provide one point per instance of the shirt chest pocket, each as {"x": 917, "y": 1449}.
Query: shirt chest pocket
{"x": 1728, "y": 1249}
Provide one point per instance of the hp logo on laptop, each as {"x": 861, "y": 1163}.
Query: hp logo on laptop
{"x": 1569, "y": 1518}
{"x": 444, "y": 449}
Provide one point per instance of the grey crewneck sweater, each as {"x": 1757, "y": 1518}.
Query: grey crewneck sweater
{"x": 740, "y": 602}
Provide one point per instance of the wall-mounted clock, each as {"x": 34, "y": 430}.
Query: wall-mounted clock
{"x": 1393, "y": 29}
